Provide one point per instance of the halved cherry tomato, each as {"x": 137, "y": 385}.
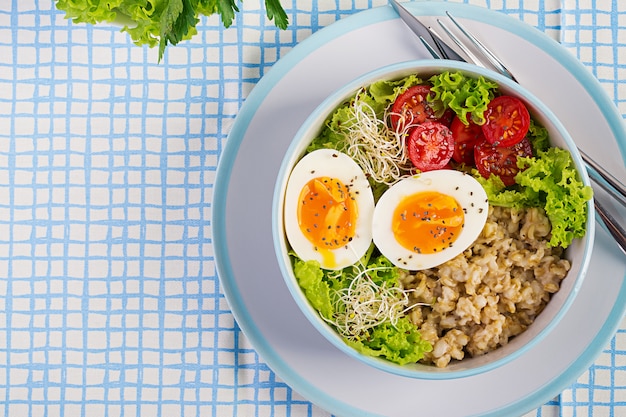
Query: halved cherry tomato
{"x": 465, "y": 139}
{"x": 412, "y": 104}
{"x": 500, "y": 161}
{"x": 507, "y": 121}
{"x": 430, "y": 146}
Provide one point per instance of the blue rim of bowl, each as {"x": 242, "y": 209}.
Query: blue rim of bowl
{"x": 257, "y": 96}
{"x": 322, "y": 112}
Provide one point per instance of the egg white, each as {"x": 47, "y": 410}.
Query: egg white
{"x": 334, "y": 164}
{"x": 462, "y": 187}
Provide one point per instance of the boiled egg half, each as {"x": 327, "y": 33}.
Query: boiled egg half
{"x": 425, "y": 220}
{"x": 328, "y": 209}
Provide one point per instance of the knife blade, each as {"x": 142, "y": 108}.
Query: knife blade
{"x": 425, "y": 34}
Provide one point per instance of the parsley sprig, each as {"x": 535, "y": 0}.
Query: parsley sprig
{"x": 161, "y": 22}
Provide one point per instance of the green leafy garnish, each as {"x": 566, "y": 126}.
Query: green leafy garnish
{"x": 549, "y": 180}
{"x": 161, "y": 22}
{"x": 467, "y": 97}
{"x": 365, "y": 305}
{"x": 386, "y": 92}
{"x": 553, "y": 178}
{"x": 316, "y": 289}
{"x": 401, "y": 343}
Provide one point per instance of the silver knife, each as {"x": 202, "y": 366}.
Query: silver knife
{"x": 426, "y": 35}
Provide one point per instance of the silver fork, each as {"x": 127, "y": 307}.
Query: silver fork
{"x": 439, "y": 49}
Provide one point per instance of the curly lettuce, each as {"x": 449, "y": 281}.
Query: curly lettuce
{"x": 467, "y": 97}
{"x": 398, "y": 342}
{"x": 549, "y": 180}
{"x": 316, "y": 288}
{"x": 553, "y": 178}
{"x": 385, "y": 92}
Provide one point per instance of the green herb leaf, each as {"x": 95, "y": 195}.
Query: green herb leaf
{"x": 227, "y": 9}
{"x": 177, "y": 21}
{"x": 276, "y": 12}
{"x": 160, "y": 22}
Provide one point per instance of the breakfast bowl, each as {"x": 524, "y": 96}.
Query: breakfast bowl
{"x": 433, "y": 219}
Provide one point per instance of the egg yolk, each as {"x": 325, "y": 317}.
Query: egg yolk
{"x": 327, "y": 214}
{"x": 427, "y": 222}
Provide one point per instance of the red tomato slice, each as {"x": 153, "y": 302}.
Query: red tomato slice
{"x": 507, "y": 121}
{"x": 499, "y": 160}
{"x": 465, "y": 139}
{"x": 430, "y": 146}
{"x": 412, "y": 104}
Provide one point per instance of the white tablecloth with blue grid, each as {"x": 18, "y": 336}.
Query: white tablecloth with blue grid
{"x": 109, "y": 300}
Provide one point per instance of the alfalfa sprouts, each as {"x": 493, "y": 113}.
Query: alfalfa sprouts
{"x": 378, "y": 149}
{"x": 364, "y": 304}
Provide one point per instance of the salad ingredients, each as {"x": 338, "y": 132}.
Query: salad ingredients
{"x": 467, "y": 233}
{"x": 430, "y": 146}
{"x": 553, "y": 177}
{"x": 426, "y": 219}
{"x": 467, "y": 97}
{"x": 492, "y": 292}
{"x": 548, "y": 180}
{"x": 501, "y": 161}
{"x": 161, "y": 22}
{"x": 401, "y": 343}
{"x": 367, "y": 307}
{"x": 358, "y": 131}
{"x": 328, "y": 209}
{"x": 466, "y": 136}
{"x": 412, "y": 107}
{"x": 506, "y": 121}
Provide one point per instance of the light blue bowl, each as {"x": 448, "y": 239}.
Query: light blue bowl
{"x": 579, "y": 253}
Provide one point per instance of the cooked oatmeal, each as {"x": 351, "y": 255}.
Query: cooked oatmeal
{"x": 492, "y": 292}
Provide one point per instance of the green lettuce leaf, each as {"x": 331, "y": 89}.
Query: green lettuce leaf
{"x": 401, "y": 343}
{"x": 386, "y": 92}
{"x": 553, "y": 176}
{"x": 467, "y": 97}
{"x": 317, "y": 290}
{"x": 538, "y": 137}
{"x": 549, "y": 180}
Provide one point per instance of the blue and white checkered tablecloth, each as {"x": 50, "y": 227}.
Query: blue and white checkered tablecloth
{"x": 109, "y": 300}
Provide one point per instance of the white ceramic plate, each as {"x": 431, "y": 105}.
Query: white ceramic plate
{"x": 249, "y": 272}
